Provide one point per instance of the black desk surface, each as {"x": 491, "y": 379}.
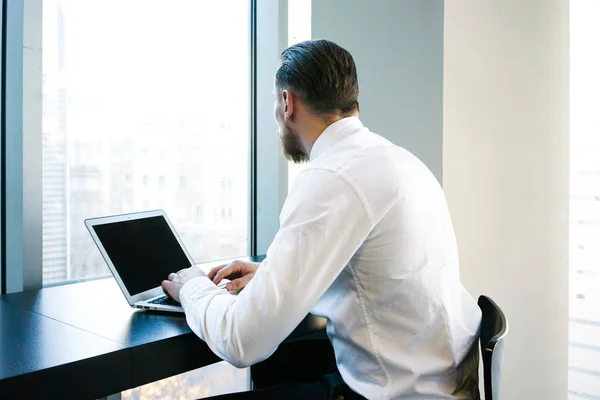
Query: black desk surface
{"x": 84, "y": 341}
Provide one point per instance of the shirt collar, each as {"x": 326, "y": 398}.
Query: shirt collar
{"x": 333, "y": 134}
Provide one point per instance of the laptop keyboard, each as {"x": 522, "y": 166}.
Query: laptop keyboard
{"x": 165, "y": 301}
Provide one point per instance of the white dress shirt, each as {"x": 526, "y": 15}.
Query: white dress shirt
{"x": 365, "y": 241}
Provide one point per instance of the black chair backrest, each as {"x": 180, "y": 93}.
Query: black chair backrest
{"x": 494, "y": 328}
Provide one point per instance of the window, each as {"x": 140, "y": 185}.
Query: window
{"x": 299, "y": 30}
{"x": 132, "y": 115}
{"x": 129, "y": 113}
{"x": 584, "y": 302}
{"x": 2, "y": 133}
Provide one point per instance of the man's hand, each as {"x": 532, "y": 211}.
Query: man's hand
{"x": 175, "y": 282}
{"x": 238, "y": 272}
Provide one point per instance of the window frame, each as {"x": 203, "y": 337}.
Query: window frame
{"x": 21, "y": 176}
{"x": 2, "y": 136}
{"x": 21, "y": 105}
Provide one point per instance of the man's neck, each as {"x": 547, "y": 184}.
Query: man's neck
{"x": 316, "y": 126}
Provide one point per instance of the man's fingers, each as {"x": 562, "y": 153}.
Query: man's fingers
{"x": 213, "y": 271}
{"x": 172, "y": 276}
{"x": 240, "y": 283}
{"x": 166, "y": 285}
{"x": 227, "y": 272}
{"x": 170, "y": 290}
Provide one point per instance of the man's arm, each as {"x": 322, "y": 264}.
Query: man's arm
{"x": 322, "y": 225}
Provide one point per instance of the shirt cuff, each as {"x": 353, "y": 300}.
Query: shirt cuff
{"x": 191, "y": 288}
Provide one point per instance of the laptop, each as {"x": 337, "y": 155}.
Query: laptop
{"x": 141, "y": 250}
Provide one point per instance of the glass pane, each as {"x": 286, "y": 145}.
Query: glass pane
{"x": 584, "y": 313}
{"x": 299, "y": 30}
{"x": 145, "y": 106}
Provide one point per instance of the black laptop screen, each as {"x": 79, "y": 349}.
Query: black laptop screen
{"x": 144, "y": 251}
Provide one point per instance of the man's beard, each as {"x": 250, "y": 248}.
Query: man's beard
{"x": 292, "y": 146}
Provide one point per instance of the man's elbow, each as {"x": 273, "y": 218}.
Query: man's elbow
{"x": 246, "y": 356}
{"x": 241, "y": 362}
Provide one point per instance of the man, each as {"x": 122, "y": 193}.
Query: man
{"x": 365, "y": 240}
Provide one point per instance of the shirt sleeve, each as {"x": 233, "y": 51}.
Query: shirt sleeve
{"x": 322, "y": 225}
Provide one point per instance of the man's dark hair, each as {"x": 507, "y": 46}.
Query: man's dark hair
{"x": 322, "y": 74}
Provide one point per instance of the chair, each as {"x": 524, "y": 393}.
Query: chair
{"x": 494, "y": 328}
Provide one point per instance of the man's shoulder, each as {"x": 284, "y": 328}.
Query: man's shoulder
{"x": 355, "y": 151}
{"x": 366, "y": 159}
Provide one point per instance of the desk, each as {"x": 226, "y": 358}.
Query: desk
{"x": 83, "y": 340}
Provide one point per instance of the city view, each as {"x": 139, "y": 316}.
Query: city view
{"x": 146, "y": 106}
{"x": 140, "y": 114}
{"x": 584, "y": 312}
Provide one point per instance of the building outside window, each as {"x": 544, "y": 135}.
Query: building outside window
{"x": 119, "y": 122}
{"x": 584, "y": 302}
{"x": 127, "y": 110}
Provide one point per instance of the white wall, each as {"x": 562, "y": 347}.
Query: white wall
{"x": 398, "y": 48}
{"x": 506, "y": 126}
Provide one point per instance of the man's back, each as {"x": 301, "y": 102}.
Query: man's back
{"x": 400, "y": 321}
{"x": 365, "y": 240}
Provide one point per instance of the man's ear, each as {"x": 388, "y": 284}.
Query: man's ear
{"x": 288, "y": 105}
